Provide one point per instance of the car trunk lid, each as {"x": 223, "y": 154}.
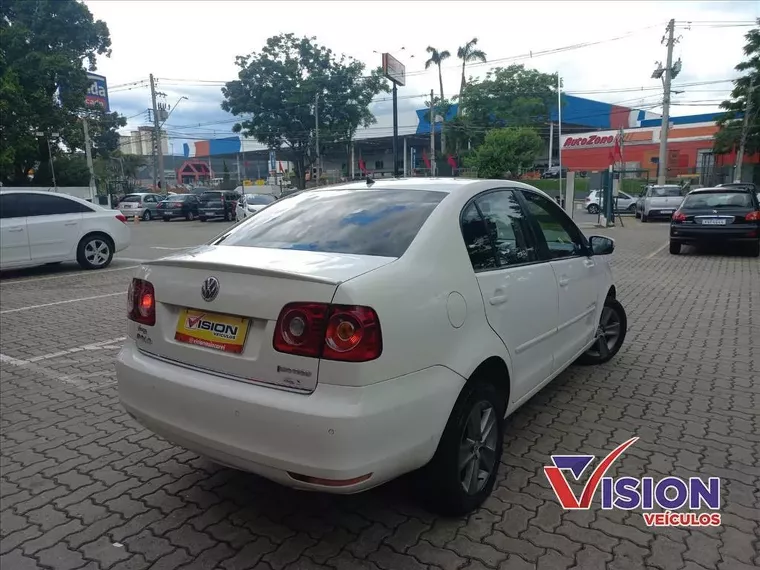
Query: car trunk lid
{"x": 231, "y": 334}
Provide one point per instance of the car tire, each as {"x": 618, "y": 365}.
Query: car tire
{"x": 610, "y": 334}
{"x": 167, "y": 218}
{"x": 146, "y": 215}
{"x": 593, "y": 209}
{"x": 202, "y": 218}
{"x": 95, "y": 251}
{"x": 632, "y": 208}
{"x": 190, "y": 216}
{"x": 675, "y": 247}
{"x": 754, "y": 249}
{"x": 442, "y": 482}
{"x": 644, "y": 218}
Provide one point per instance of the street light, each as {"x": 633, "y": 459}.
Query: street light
{"x": 50, "y": 155}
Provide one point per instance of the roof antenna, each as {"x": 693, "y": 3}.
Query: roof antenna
{"x": 370, "y": 182}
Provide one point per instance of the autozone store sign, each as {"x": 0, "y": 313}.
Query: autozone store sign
{"x": 590, "y": 140}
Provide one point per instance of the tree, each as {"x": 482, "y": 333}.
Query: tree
{"x": 279, "y": 87}
{"x": 731, "y": 123}
{"x": 45, "y": 46}
{"x": 468, "y": 53}
{"x": 505, "y": 152}
{"x": 437, "y": 58}
{"x": 513, "y": 96}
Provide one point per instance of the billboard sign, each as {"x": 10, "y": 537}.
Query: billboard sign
{"x": 97, "y": 92}
{"x": 394, "y": 70}
{"x": 272, "y": 161}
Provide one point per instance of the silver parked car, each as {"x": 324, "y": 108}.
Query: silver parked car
{"x": 659, "y": 201}
{"x": 142, "y": 204}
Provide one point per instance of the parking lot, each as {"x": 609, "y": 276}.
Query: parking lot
{"x": 83, "y": 486}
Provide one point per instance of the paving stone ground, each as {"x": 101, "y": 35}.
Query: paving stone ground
{"x": 83, "y": 486}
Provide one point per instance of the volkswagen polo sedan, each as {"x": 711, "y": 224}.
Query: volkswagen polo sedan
{"x": 347, "y": 335}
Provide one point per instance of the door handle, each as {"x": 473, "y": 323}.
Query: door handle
{"x": 563, "y": 281}
{"x": 70, "y": 223}
{"x": 498, "y": 299}
{"x": 16, "y": 229}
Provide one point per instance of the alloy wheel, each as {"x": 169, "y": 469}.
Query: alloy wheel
{"x": 607, "y": 333}
{"x": 96, "y": 252}
{"x": 477, "y": 449}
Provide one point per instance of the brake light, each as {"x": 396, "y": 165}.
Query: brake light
{"x": 141, "y": 302}
{"x": 679, "y": 216}
{"x": 121, "y": 218}
{"x": 335, "y": 332}
{"x": 753, "y": 216}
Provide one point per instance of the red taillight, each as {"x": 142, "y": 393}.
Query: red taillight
{"x": 334, "y": 332}
{"x": 678, "y": 216}
{"x": 122, "y": 219}
{"x": 753, "y": 216}
{"x": 141, "y": 302}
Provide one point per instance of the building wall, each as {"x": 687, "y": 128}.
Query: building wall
{"x": 140, "y": 142}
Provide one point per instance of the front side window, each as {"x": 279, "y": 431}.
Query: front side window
{"x": 361, "y": 222}
{"x": 563, "y": 239}
{"x": 50, "y": 205}
{"x": 508, "y": 228}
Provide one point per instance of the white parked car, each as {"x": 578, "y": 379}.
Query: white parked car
{"x": 38, "y": 227}
{"x": 249, "y": 204}
{"x": 624, "y": 202}
{"x": 348, "y": 335}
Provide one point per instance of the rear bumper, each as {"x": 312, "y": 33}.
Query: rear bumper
{"x": 132, "y": 212}
{"x": 211, "y": 213}
{"x": 713, "y": 234}
{"x": 337, "y": 432}
{"x": 660, "y": 212}
{"x": 171, "y": 214}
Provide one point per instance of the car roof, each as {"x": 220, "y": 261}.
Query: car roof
{"x": 48, "y": 193}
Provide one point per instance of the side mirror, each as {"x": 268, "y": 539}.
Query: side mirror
{"x": 601, "y": 245}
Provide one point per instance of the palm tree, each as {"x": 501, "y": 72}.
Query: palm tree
{"x": 468, "y": 53}
{"x": 436, "y": 58}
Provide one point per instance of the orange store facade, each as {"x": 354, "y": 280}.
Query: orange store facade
{"x": 690, "y": 149}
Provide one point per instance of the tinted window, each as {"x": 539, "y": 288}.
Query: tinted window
{"x": 563, "y": 239}
{"x": 179, "y": 198}
{"x": 258, "y": 199}
{"x": 48, "y": 205}
{"x": 211, "y": 197}
{"x": 363, "y": 222}
{"x": 476, "y": 240}
{"x": 11, "y": 206}
{"x": 718, "y": 200}
{"x": 665, "y": 191}
{"x": 507, "y": 227}
{"x": 132, "y": 198}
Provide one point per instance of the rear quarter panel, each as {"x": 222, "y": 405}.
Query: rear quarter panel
{"x": 411, "y": 296}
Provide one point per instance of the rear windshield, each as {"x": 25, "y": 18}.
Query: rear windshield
{"x": 719, "y": 200}
{"x": 258, "y": 199}
{"x": 665, "y": 191}
{"x": 210, "y": 196}
{"x": 132, "y": 198}
{"x": 361, "y": 222}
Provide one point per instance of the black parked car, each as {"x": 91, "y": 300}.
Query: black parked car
{"x": 717, "y": 215}
{"x": 179, "y": 206}
{"x": 218, "y": 204}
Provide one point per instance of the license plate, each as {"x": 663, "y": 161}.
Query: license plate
{"x": 714, "y": 222}
{"x": 212, "y": 330}
{"x": 666, "y": 211}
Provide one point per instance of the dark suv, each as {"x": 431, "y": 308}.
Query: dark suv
{"x": 218, "y": 204}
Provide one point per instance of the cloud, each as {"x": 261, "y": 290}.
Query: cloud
{"x": 196, "y": 44}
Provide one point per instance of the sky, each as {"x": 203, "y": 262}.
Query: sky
{"x": 190, "y": 47}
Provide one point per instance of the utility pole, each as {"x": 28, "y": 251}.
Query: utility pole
{"x": 88, "y": 154}
{"x": 662, "y": 170}
{"x": 395, "y": 130}
{"x": 745, "y": 128}
{"x": 432, "y": 133}
{"x": 316, "y": 129}
{"x": 157, "y": 135}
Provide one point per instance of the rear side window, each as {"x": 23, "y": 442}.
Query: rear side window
{"x": 361, "y": 222}
{"x": 50, "y": 205}
{"x": 719, "y": 200}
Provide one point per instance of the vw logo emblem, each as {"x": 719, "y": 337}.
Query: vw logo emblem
{"x": 210, "y": 289}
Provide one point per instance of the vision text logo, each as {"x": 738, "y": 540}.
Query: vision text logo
{"x": 630, "y": 493}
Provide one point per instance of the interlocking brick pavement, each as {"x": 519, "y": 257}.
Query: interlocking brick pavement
{"x": 84, "y": 487}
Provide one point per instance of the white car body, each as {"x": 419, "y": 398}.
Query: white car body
{"x": 245, "y": 209}
{"x": 36, "y": 236}
{"x": 594, "y": 199}
{"x": 302, "y": 420}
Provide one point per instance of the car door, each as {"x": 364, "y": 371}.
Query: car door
{"x": 624, "y": 201}
{"x": 54, "y": 224}
{"x": 14, "y": 237}
{"x": 519, "y": 292}
{"x": 562, "y": 244}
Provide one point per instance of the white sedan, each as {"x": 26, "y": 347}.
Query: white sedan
{"x": 345, "y": 336}
{"x": 38, "y": 227}
{"x": 249, "y": 204}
